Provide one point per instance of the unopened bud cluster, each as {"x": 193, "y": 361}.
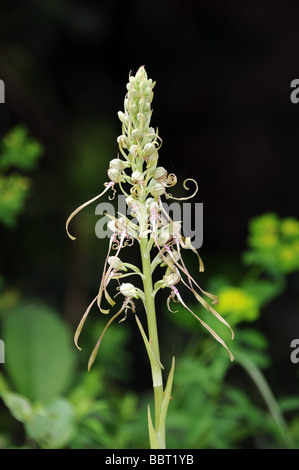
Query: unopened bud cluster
{"x": 139, "y": 142}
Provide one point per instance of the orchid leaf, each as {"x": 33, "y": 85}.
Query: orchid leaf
{"x": 154, "y": 443}
{"x": 166, "y": 399}
{"x": 152, "y": 356}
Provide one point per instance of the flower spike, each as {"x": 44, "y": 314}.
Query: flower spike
{"x": 144, "y": 183}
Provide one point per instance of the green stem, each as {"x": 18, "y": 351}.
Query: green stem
{"x": 269, "y": 398}
{"x": 153, "y": 337}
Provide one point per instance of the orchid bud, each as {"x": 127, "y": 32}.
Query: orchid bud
{"x": 146, "y": 107}
{"x": 148, "y": 149}
{"x": 124, "y": 118}
{"x": 160, "y": 173}
{"x": 152, "y": 160}
{"x": 111, "y": 226}
{"x": 163, "y": 238}
{"x": 122, "y": 141}
{"x": 154, "y": 208}
{"x": 137, "y": 134}
{"x": 156, "y": 188}
{"x": 121, "y": 224}
{"x": 116, "y": 263}
{"x": 173, "y": 255}
{"x": 141, "y": 75}
{"x": 140, "y": 117}
{"x": 147, "y": 91}
{"x": 117, "y": 164}
{"x": 133, "y": 108}
{"x": 149, "y": 202}
{"x": 133, "y": 150}
{"x": 130, "y": 200}
{"x": 137, "y": 177}
{"x": 171, "y": 279}
{"x": 121, "y": 116}
{"x": 128, "y": 290}
{"x": 115, "y": 175}
{"x": 133, "y": 204}
{"x": 133, "y": 93}
{"x": 148, "y": 83}
{"x": 118, "y": 226}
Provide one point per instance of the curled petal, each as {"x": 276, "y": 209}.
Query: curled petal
{"x": 168, "y": 303}
{"x": 113, "y": 195}
{"x": 81, "y": 324}
{"x": 213, "y": 333}
{"x": 185, "y": 243}
{"x": 136, "y": 190}
{"x": 108, "y": 186}
{"x": 171, "y": 180}
{"x": 95, "y": 350}
{"x": 129, "y": 241}
{"x": 197, "y": 296}
{"x": 169, "y": 196}
{"x": 157, "y": 138}
{"x": 106, "y": 274}
{"x": 212, "y": 310}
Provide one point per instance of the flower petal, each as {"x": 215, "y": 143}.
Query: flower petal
{"x": 108, "y": 186}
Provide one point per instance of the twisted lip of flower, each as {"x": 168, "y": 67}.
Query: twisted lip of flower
{"x": 127, "y": 304}
{"x": 108, "y": 186}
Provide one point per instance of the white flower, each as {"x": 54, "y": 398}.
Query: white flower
{"x": 115, "y": 175}
{"x": 124, "y": 118}
{"x": 128, "y": 290}
{"x": 160, "y": 174}
{"x": 156, "y": 188}
{"x": 137, "y": 134}
{"x": 116, "y": 263}
{"x": 122, "y": 141}
{"x": 163, "y": 238}
{"x": 171, "y": 279}
{"x": 137, "y": 177}
{"x": 118, "y": 164}
{"x": 148, "y": 149}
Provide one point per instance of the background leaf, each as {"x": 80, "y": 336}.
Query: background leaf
{"x": 39, "y": 351}
{"x": 52, "y": 426}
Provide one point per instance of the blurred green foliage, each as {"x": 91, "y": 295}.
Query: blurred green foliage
{"x": 39, "y": 351}
{"x": 60, "y": 408}
{"x": 274, "y": 244}
{"x": 49, "y": 400}
{"x": 18, "y": 152}
{"x": 225, "y": 414}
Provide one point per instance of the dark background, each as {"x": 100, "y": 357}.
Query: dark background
{"x": 223, "y": 109}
